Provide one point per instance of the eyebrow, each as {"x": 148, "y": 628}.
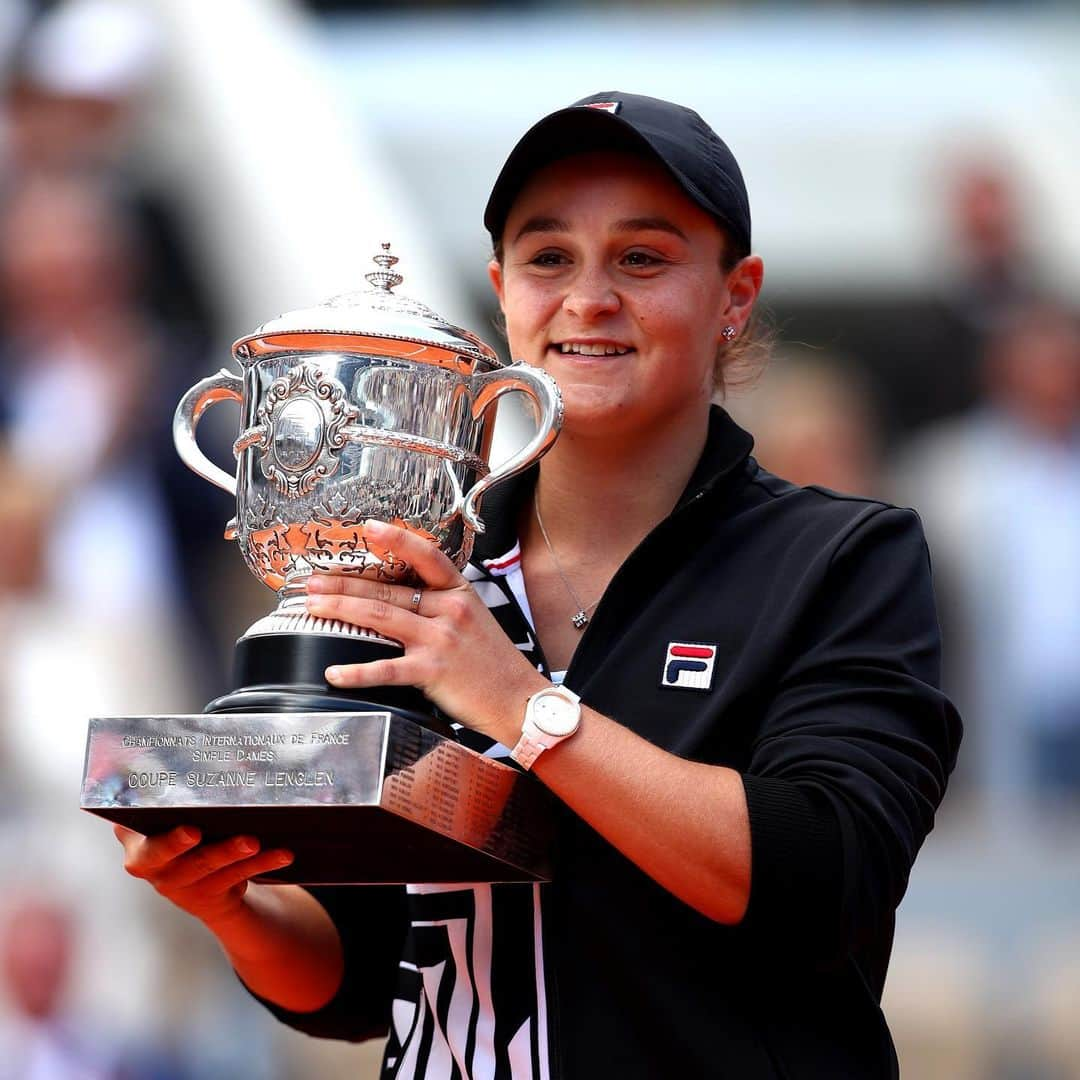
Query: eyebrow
{"x": 542, "y": 223}
{"x": 650, "y": 224}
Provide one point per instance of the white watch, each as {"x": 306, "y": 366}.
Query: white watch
{"x": 553, "y": 714}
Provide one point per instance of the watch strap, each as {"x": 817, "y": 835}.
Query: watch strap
{"x": 527, "y": 751}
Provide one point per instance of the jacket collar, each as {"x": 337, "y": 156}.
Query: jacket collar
{"x": 727, "y": 446}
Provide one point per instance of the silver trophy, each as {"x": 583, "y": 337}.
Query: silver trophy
{"x": 367, "y": 406}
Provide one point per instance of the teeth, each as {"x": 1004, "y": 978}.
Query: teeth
{"x": 585, "y": 349}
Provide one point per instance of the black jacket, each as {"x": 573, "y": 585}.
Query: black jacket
{"x": 824, "y": 696}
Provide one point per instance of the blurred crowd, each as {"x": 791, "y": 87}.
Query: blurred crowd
{"x": 985, "y": 979}
{"x": 107, "y": 575}
{"x": 114, "y": 579}
{"x": 995, "y": 476}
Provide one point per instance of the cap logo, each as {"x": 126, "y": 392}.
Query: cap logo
{"x": 688, "y": 666}
{"x": 604, "y": 106}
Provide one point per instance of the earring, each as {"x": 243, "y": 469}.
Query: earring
{"x": 728, "y": 333}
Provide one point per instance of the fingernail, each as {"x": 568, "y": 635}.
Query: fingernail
{"x": 186, "y": 835}
{"x": 246, "y": 847}
{"x": 333, "y": 674}
{"x": 283, "y": 858}
{"x": 373, "y": 525}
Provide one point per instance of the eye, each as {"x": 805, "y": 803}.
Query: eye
{"x": 548, "y": 259}
{"x": 641, "y": 260}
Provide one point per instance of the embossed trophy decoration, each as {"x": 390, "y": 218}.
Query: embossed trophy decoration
{"x": 367, "y": 406}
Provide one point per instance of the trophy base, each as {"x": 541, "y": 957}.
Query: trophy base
{"x": 280, "y": 673}
{"x": 358, "y": 797}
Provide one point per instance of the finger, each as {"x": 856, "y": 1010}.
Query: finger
{"x": 400, "y": 671}
{"x": 205, "y": 862}
{"x": 387, "y": 619}
{"x": 263, "y": 863}
{"x": 363, "y": 588}
{"x": 146, "y": 854}
{"x": 425, "y": 556}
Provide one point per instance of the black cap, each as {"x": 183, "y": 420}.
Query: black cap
{"x": 697, "y": 158}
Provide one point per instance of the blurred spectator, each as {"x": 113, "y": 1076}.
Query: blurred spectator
{"x": 994, "y": 262}
{"x": 74, "y": 103}
{"x": 41, "y": 1039}
{"x": 990, "y": 267}
{"x": 79, "y": 362}
{"x": 78, "y": 80}
{"x": 89, "y": 385}
{"x": 813, "y": 422}
{"x": 999, "y": 490}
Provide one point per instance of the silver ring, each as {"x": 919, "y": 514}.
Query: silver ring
{"x": 415, "y": 601}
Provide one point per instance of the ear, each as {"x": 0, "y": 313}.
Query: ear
{"x": 495, "y": 276}
{"x": 744, "y": 285}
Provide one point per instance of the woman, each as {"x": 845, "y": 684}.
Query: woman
{"x": 759, "y": 746}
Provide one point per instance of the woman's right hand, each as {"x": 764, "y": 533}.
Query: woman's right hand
{"x": 207, "y": 881}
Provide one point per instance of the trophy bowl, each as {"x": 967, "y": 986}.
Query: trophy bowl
{"x": 340, "y": 425}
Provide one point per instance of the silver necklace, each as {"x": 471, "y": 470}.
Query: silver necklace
{"x": 580, "y": 618}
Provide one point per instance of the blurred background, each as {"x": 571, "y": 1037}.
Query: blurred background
{"x": 173, "y": 174}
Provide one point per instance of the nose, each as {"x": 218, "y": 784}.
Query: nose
{"x": 591, "y": 296}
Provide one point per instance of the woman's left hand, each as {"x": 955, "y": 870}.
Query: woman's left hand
{"x": 455, "y": 651}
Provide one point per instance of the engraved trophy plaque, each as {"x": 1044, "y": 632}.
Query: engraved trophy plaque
{"x": 367, "y": 406}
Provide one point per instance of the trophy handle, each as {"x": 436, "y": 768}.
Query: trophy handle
{"x": 224, "y": 386}
{"x": 489, "y": 387}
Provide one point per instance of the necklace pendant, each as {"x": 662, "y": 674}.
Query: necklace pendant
{"x": 580, "y": 620}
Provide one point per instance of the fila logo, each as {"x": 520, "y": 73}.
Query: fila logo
{"x": 605, "y": 106}
{"x": 689, "y": 666}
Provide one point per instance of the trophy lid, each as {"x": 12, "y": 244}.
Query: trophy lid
{"x": 370, "y": 315}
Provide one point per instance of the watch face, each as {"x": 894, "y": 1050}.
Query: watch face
{"x": 554, "y": 715}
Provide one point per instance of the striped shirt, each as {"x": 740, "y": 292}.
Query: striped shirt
{"x": 471, "y": 1000}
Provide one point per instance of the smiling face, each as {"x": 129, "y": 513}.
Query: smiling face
{"x": 613, "y": 280}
